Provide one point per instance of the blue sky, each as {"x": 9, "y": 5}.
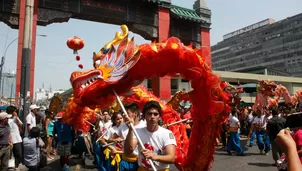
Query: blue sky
{"x": 55, "y": 62}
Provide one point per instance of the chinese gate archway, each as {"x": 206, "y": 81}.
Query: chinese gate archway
{"x": 152, "y": 19}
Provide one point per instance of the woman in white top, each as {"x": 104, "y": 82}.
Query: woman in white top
{"x": 117, "y": 120}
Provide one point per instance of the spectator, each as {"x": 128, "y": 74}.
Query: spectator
{"x": 64, "y": 144}
{"x": 274, "y": 126}
{"x": 15, "y": 125}
{"x": 31, "y": 118}
{"x": 298, "y": 139}
{"x": 49, "y": 127}
{"x": 5, "y": 141}
{"x": 287, "y": 144}
{"x": 32, "y": 145}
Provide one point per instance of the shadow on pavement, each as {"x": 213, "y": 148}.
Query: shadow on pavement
{"x": 55, "y": 164}
{"x": 261, "y": 164}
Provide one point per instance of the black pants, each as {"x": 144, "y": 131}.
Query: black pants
{"x": 17, "y": 151}
{"x": 33, "y": 168}
{"x": 223, "y": 138}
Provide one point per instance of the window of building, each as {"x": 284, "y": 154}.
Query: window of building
{"x": 174, "y": 83}
{"x": 149, "y": 83}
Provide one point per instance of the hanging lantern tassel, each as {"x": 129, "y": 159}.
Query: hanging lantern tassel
{"x": 81, "y": 66}
{"x": 75, "y": 44}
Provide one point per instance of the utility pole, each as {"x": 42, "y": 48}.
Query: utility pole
{"x": 26, "y": 55}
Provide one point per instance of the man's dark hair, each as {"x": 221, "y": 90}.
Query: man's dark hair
{"x": 275, "y": 111}
{"x": 105, "y": 111}
{"x": 133, "y": 107}
{"x": 234, "y": 111}
{"x": 152, "y": 104}
{"x": 47, "y": 112}
{"x": 34, "y": 132}
{"x": 11, "y": 109}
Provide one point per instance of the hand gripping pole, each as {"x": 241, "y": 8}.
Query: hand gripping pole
{"x": 132, "y": 127}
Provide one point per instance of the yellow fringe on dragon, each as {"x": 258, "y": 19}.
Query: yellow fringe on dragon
{"x": 122, "y": 65}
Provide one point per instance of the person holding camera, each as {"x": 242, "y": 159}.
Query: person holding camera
{"x": 31, "y": 146}
{"x": 287, "y": 144}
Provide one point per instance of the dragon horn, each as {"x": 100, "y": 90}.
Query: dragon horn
{"x": 117, "y": 39}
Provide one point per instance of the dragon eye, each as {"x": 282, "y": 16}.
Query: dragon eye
{"x": 97, "y": 63}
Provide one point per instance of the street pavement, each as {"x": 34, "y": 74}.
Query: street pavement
{"x": 222, "y": 162}
{"x": 252, "y": 161}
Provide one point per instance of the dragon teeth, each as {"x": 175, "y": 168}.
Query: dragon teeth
{"x": 83, "y": 86}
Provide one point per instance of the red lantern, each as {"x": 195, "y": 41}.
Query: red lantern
{"x": 81, "y": 66}
{"x": 75, "y": 44}
{"x": 78, "y": 58}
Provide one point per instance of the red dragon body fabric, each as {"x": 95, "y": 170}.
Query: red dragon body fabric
{"x": 121, "y": 65}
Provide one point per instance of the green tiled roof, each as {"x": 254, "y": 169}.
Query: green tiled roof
{"x": 154, "y": 1}
{"x": 185, "y": 13}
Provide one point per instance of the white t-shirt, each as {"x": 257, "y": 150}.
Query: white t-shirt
{"x": 107, "y": 124}
{"x": 123, "y": 132}
{"x": 259, "y": 121}
{"x": 111, "y": 132}
{"x": 104, "y": 126}
{"x": 250, "y": 117}
{"x": 114, "y": 130}
{"x": 157, "y": 140}
{"x": 265, "y": 120}
{"x": 233, "y": 121}
{"x": 31, "y": 121}
{"x": 14, "y": 130}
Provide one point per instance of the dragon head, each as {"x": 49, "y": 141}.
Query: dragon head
{"x": 267, "y": 87}
{"x": 111, "y": 64}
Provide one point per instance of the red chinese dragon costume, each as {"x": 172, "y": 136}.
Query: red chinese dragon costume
{"x": 270, "y": 94}
{"x": 122, "y": 66}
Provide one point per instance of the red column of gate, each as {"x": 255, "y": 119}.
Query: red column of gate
{"x": 19, "y": 54}
{"x": 205, "y": 42}
{"x": 33, "y": 50}
{"x": 161, "y": 86}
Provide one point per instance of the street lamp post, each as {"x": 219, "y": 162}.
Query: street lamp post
{"x": 3, "y": 59}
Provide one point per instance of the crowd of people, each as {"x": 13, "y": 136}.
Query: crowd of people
{"x": 112, "y": 144}
{"x": 262, "y": 125}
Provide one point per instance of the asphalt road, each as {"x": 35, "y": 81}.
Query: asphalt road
{"x": 253, "y": 161}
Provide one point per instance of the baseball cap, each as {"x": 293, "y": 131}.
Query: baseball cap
{"x": 59, "y": 115}
{"x": 4, "y": 115}
{"x": 32, "y": 107}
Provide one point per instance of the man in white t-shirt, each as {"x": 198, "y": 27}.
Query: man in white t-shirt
{"x": 260, "y": 122}
{"x": 107, "y": 120}
{"x": 159, "y": 142}
{"x": 15, "y": 125}
{"x": 31, "y": 118}
{"x": 234, "y": 139}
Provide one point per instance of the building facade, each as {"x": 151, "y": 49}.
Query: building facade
{"x": 42, "y": 94}
{"x": 276, "y": 46}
